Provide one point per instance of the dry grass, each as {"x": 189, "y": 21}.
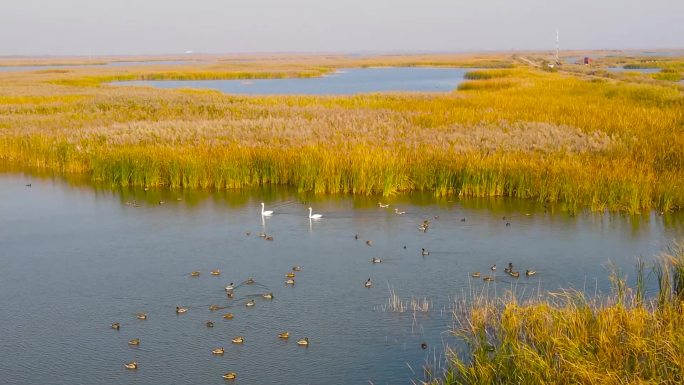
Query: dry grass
{"x": 600, "y": 144}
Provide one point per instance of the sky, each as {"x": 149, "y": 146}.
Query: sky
{"x": 134, "y": 27}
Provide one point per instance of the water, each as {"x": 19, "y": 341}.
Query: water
{"x": 343, "y": 82}
{"x": 77, "y": 257}
{"x": 641, "y": 70}
{"x": 110, "y": 64}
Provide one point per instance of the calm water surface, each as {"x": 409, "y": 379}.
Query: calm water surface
{"x": 641, "y": 70}
{"x": 75, "y": 258}
{"x": 343, "y": 82}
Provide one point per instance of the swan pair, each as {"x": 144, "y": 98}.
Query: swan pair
{"x": 268, "y": 213}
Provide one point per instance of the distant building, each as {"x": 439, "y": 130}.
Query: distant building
{"x": 587, "y": 60}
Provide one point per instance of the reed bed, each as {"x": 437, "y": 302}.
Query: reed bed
{"x": 584, "y": 142}
{"x": 569, "y": 338}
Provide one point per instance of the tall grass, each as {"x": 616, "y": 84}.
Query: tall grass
{"x": 602, "y": 145}
{"x": 568, "y": 338}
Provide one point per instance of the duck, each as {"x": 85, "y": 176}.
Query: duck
{"x": 376, "y": 260}
{"x": 230, "y": 376}
{"x": 195, "y": 274}
{"x": 209, "y": 324}
{"x": 284, "y": 335}
{"x": 181, "y": 310}
{"x": 368, "y": 283}
{"x": 303, "y": 342}
{"x": 423, "y": 345}
{"x": 116, "y": 326}
{"x": 262, "y": 235}
{"x": 369, "y": 242}
{"x": 383, "y": 205}
{"x": 314, "y": 216}
{"x": 530, "y": 273}
{"x": 356, "y": 236}
{"x": 228, "y": 316}
{"x": 509, "y": 268}
{"x": 218, "y": 351}
{"x": 493, "y": 267}
{"x": 267, "y": 296}
{"x": 266, "y": 213}
{"x": 424, "y": 252}
{"x": 290, "y": 281}
{"x": 230, "y": 287}
{"x": 290, "y": 275}
{"x": 249, "y": 281}
{"x": 250, "y": 303}
{"x": 488, "y": 278}
{"x": 142, "y": 316}
{"x": 396, "y": 211}
{"x": 475, "y": 274}
{"x": 216, "y": 272}
{"x": 269, "y": 238}
{"x": 134, "y": 341}
{"x": 514, "y": 274}
{"x": 214, "y": 307}
{"x": 131, "y": 365}
{"x": 508, "y": 224}
{"x": 237, "y": 340}
{"x": 229, "y": 294}
{"x": 296, "y": 268}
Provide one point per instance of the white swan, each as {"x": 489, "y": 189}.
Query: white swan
{"x": 267, "y": 213}
{"x": 314, "y": 216}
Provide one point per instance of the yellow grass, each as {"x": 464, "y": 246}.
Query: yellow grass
{"x": 521, "y": 132}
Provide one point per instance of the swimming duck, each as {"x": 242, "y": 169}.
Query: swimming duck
{"x": 216, "y": 272}
{"x": 296, "y": 268}
{"x": 423, "y": 346}
{"x": 230, "y": 376}
{"x": 116, "y": 326}
{"x": 230, "y": 287}
{"x": 463, "y": 219}
{"x": 131, "y": 365}
{"x": 356, "y": 236}
{"x": 249, "y": 281}
{"x": 262, "y": 235}
{"x": 508, "y": 224}
{"x": 514, "y": 274}
{"x": 509, "y": 268}
{"x": 383, "y": 205}
{"x": 269, "y": 238}
{"x": 142, "y": 316}
{"x": 396, "y": 211}
{"x": 284, "y": 335}
{"x": 250, "y": 303}
{"x": 228, "y": 316}
{"x": 214, "y": 307}
{"x": 134, "y": 341}
{"x": 237, "y": 340}
{"x": 289, "y": 275}
{"x": 248, "y": 233}
{"x": 424, "y": 252}
{"x": 488, "y": 278}
{"x": 303, "y": 342}
{"x": 492, "y": 267}
{"x": 368, "y": 283}
{"x": 376, "y": 260}
{"x": 290, "y": 281}
{"x": 180, "y": 310}
{"x": 218, "y": 351}
{"x": 229, "y": 294}
{"x": 369, "y": 242}
{"x": 530, "y": 273}
{"x": 267, "y": 296}
{"x": 475, "y": 274}
{"x": 195, "y": 274}
{"x": 209, "y": 324}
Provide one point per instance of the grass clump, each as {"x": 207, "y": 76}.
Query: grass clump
{"x": 568, "y": 338}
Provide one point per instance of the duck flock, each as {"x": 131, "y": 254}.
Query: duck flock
{"x": 290, "y": 276}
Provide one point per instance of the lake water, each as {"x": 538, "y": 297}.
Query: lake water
{"x": 110, "y": 64}
{"x": 77, "y": 257}
{"x": 641, "y": 70}
{"x": 343, "y": 82}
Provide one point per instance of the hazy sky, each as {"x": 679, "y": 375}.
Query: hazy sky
{"x": 95, "y": 27}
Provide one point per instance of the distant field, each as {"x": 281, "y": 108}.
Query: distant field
{"x": 580, "y": 136}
